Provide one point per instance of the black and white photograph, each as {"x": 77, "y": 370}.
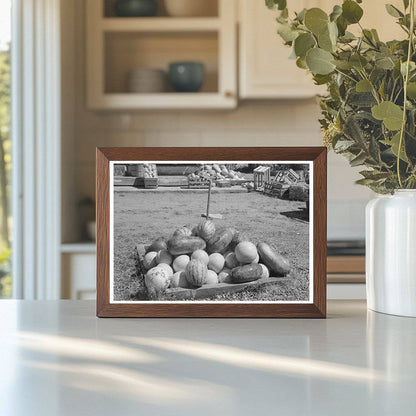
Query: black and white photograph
{"x": 211, "y": 231}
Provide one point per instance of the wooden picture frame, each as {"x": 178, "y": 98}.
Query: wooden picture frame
{"x": 315, "y": 308}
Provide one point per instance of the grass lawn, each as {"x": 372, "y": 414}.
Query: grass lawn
{"x": 141, "y": 217}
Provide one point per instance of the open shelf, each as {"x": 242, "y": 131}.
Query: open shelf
{"x": 116, "y": 46}
{"x": 160, "y": 24}
{"x": 211, "y": 9}
{"x": 127, "y": 51}
{"x": 130, "y": 101}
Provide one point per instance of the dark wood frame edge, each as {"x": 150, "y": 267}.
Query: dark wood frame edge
{"x": 317, "y": 309}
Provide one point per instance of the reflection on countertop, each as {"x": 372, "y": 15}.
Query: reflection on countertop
{"x": 58, "y": 358}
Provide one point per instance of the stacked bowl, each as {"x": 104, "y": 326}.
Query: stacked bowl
{"x": 147, "y": 80}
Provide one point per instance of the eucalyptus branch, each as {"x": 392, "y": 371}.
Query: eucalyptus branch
{"x": 398, "y": 95}
{"x": 363, "y": 62}
{"x": 406, "y": 80}
{"x": 392, "y": 90}
{"x": 345, "y": 75}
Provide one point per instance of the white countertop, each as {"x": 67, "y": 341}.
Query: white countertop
{"x": 57, "y": 359}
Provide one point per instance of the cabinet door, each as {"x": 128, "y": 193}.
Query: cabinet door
{"x": 265, "y": 68}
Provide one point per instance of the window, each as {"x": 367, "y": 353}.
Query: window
{"x": 5, "y": 144}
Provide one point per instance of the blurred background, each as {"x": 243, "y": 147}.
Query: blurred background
{"x": 100, "y": 73}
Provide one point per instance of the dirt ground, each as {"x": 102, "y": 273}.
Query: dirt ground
{"x": 141, "y": 217}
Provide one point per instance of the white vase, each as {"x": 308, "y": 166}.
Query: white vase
{"x": 391, "y": 253}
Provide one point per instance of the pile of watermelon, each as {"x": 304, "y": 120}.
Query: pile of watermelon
{"x": 205, "y": 255}
{"x": 150, "y": 170}
{"x": 214, "y": 172}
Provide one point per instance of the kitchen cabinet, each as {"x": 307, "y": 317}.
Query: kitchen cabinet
{"x": 78, "y": 263}
{"x": 116, "y": 46}
{"x": 265, "y": 70}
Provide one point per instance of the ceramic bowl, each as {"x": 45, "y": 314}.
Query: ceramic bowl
{"x": 186, "y": 76}
{"x": 147, "y": 80}
{"x": 136, "y": 8}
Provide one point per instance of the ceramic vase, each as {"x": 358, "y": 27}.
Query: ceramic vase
{"x": 391, "y": 253}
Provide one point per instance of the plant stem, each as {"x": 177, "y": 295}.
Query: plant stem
{"x": 373, "y": 89}
{"x": 406, "y": 80}
{"x": 345, "y": 75}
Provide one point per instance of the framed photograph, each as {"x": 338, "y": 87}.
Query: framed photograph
{"x": 211, "y": 232}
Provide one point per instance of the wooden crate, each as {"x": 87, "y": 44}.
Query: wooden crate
{"x": 136, "y": 170}
{"x": 128, "y": 181}
{"x": 239, "y": 181}
{"x": 198, "y": 184}
{"x": 151, "y": 183}
{"x": 223, "y": 183}
{"x": 275, "y": 189}
{"x": 261, "y": 175}
{"x": 173, "y": 181}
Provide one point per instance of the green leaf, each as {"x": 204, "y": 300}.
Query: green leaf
{"x": 396, "y": 71}
{"x": 368, "y": 36}
{"x": 393, "y": 11}
{"x": 374, "y": 175}
{"x": 394, "y": 145}
{"x": 385, "y": 63}
{"x": 319, "y": 61}
{"x": 412, "y": 67}
{"x": 358, "y": 160}
{"x": 303, "y": 43}
{"x": 406, "y": 4}
{"x": 347, "y": 37}
{"x": 381, "y": 89}
{"x": 342, "y": 25}
{"x": 411, "y": 90}
{"x": 325, "y": 43}
{"x": 286, "y": 32}
{"x": 321, "y": 79}
{"x": 364, "y": 182}
{"x": 358, "y": 61}
{"x": 351, "y": 11}
{"x": 300, "y": 17}
{"x": 301, "y": 63}
{"x": 327, "y": 40}
{"x": 391, "y": 114}
{"x": 363, "y": 86}
{"x": 283, "y": 17}
{"x": 377, "y": 75}
{"x": 316, "y": 20}
{"x": 333, "y": 32}
{"x": 343, "y": 65}
{"x": 374, "y": 150}
{"x": 276, "y": 4}
{"x": 375, "y": 35}
{"x": 354, "y": 131}
{"x": 361, "y": 99}
{"x": 343, "y": 145}
{"x": 336, "y": 12}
